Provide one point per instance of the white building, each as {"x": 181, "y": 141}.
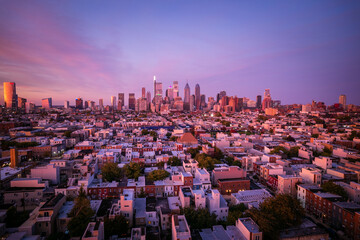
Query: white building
{"x": 216, "y": 204}
{"x": 49, "y": 172}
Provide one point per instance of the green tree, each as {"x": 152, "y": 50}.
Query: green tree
{"x": 335, "y": 189}
{"x": 80, "y": 214}
{"x": 200, "y": 218}
{"x": 218, "y": 154}
{"x": 194, "y": 151}
{"x": 174, "y": 161}
{"x": 133, "y": 170}
{"x": 277, "y": 213}
{"x": 158, "y": 175}
{"x": 235, "y": 212}
{"x": 326, "y": 152}
{"x": 111, "y": 172}
{"x": 205, "y": 161}
{"x": 144, "y": 132}
{"x": 67, "y": 133}
{"x": 168, "y": 135}
{"x": 118, "y": 226}
{"x": 153, "y": 134}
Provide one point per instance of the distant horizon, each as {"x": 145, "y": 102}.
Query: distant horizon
{"x": 301, "y": 51}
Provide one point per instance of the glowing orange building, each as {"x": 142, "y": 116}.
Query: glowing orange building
{"x": 10, "y": 97}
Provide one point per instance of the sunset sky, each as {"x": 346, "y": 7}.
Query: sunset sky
{"x": 301, "y": 50}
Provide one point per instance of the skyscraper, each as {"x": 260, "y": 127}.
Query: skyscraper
{"x": 148, "y": 97}
{"x": 132, "y": 101}
{"x": 10, "y": 97}
{"x": 66, "y": 104}
{"x": 113, "y": 102}
{"x": 192, "y": 102}
{"x": 197, "y": 97}
{"x": 21, "y": 102}
{"x": 143, "y": 93}
{"x": 79, "y": 103}
{"x": 101, "y": 104}
{"x": 170, "y": 93}
{"x": 176, "y": 89}
{"x": 158, "y": 92}
{"x": 258, "y": 101}
{"x": 342, "y": 100}
{"x": 121, "y": 97}
{"x": 187, "y": 97}
{"x": 46, "y": 103}
{"x": 267, "y": 93}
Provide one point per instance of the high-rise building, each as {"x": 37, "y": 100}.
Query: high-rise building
{"x": 197, "y": 97}
{"x": 143, "y": 93}
{"x": 221, "y": 95}
{"x": 29, "y": 107}
{"x": 113, "y": 102}
{"x": 79, "y": 103}
{"x": 121, "y": 97}
{"x": 101, "y": 104}
{"x": 21, "y": 102}
{"x": 267, "y": 102}
{"x": 46, "y": 103}
{"x": 258, "y": 101}
{"x": 10, "y": 97}
{"x": 187, "y": 97}
{"x": 86, "y": 104}
{"x": 176, "y": 89}
{"x": 202, "y": 101}
{"x": 192, "y": 102}
{"x": 170, "y": 93}
{"x": 148, "y": 97}
{"x": 267, "y": 93}
{"x": 66, "y": 104}
{"x": 342, "y": 100}
{"x": 14, "y": 157}
{"x": 132, "y": 101}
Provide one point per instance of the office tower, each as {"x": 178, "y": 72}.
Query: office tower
{"x": 92, "y": 105}
{"x": 176, "y": 89}
{"x": 240, "y": 104}
{"x": 132, "y": 101}
{"x": 10, "y": 97}
{"x": 202, "y": 101}
{"x": 79, "y": 103}
{"x": 148, "y": 97}
{"x": 197, "y": 97}
{"x": 158, "y": 90}
{"x": 29, "y": 107}
{"x": 143, "y": 93}
{"x": 119, "y": 107}
{"x": 86, "y": 104}
{"x": 221, "y": 95}
{"x": 267, "y": 102}
{"x": 141, "y": 105}
{"x": 121, "y": 97}
{"x": 342, "y": 100}
{"x": 192, "y": 102}
{"x": 46, "y": 103}
{"x": 113, "y": 102}
{"x": 66, "y": 104}
{"x": 21, "y": 102}
{"x": 187, "y": 97}
{"x": 258, "y": 101}
{"x": 170, "y": 93}
{"x": 154, "y": 87}
{"x": 267, "y": 93}
{"x": 14, "y": 157}
{"x": 101, "y": 104}
{"x": 232, "y": 104}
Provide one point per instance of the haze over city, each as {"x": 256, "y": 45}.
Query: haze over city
{"x": 94, "y": 49}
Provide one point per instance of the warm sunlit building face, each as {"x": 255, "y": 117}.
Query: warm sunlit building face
{"x": 10, "y": 97}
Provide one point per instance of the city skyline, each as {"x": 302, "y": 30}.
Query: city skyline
{"x": 300, "y": 51}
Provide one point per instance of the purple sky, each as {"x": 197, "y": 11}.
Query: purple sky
{"x": 301, "y": 50}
